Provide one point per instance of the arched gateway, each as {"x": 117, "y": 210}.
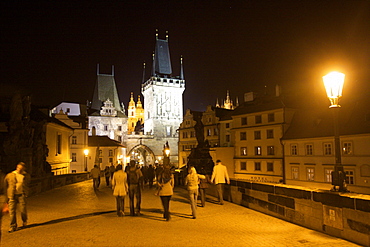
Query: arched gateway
{"x": 142, "y": 154}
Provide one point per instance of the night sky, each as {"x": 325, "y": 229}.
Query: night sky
{"x": 52, "y": 48}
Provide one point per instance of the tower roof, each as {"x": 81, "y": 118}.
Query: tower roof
{"x": 162, "y": 60}
{"x": 105, "y": 88}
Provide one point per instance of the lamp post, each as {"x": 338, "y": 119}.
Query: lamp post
{"x": 166, "y": 154}
{"x": 86, "y": 152}
{"x": 334, "y": 85}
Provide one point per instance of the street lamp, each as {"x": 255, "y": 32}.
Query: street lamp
{"x": 334, "y": 85}
{"x": 86, "y": 152}
{"x": 166, "y": 154}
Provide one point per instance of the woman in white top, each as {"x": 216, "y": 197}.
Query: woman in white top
{"x": 120, "y": 188}
{"x": 191, "y": 182}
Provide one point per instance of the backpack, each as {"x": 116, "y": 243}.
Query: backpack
{"x": 133, "y": 177}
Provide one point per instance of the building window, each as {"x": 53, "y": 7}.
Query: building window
{"x": 227, "y": 125}
{"x": 209, "y": 132}
{"x": 110, "y": 160}
{"x": 327, "y": 149}
{"x": 310, "y": 174}
{"x": 271, "y": 117}
{"x": 168, "y": 131}
{"x": 119, "y": 138}
{"x": 209, "y": 120}
{"x": 309, "y": 149}
{"x": 270, "y": 150}
{"x": 269, "y": 134}
{"x": 74, "y": 157}
{"x": 74, "y": 139}
{"x": 243, "y": 166}
{"x": 257, "y": 166}
{"x": 227, "y": 138}
{"x": 258, "y": 150}
{"x": 119, "y": 128}
{"x": 192, "y": 133}
{"x": 243, "y": 136}
{"x": 328, "y": 175}
{"x": 100, "y": 153}
{"x": 295, "y": 173}
{"x": 257, "y": 135}
{"x": 244, "y": 121}
{"x": 270, "y": 166}
{"x": 110, "y": 152}
{"x": 347, "y": 148}
{"x": 258, "y": 119}
{"x": 293, "y": 149}
{"x": 243, "y": 151}
{"x": 184, "y": 135}
{"x": 105, "y": 127}
{"x": 215, "y": 131}
{"x": 350, "y": 177}
{"x": 59, "y": 144}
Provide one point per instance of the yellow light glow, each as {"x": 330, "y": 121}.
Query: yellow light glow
{"x": 334, "y": 85}
{"x": 86, "y": 152}
{"x": 167, "y": 151}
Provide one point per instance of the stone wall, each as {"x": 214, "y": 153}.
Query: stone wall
{"x": 343, "y": 215}
{"x": 51, "y": 182}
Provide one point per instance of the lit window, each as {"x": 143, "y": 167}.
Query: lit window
{"x": 295, "y": 173}
{"x": 327, "y": 149}
{"x": 347, "y": 148}
{"x": 328, "y": 175}
{"x": 270, "y": 150}
{"x": 243, "y": 151}
{"x": 310, "y": 174}
{"x": 209, "y": 132}
{"x": 74, "y": 157}
{"x": 110, "y": 152}
{"x": 258, "y": 150}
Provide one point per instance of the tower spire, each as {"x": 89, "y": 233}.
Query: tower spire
{"x": 181, "y": 69}
{"x": 143, "y": 72}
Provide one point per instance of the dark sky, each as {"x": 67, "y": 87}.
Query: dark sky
{"x": 53, "y": 47}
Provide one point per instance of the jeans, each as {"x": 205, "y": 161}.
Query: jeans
{"x": 120, "y": 200}
{"x": 202, "y": 192}
{"x": 134, "y": 191}
{"x": 18, "y": 199}
{"x": 96, "y": 183}
{"x": 166, "y": 206}
{"x": 193, "y": 196}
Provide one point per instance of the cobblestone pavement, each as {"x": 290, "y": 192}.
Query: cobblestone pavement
{"x": 75, "y": 215}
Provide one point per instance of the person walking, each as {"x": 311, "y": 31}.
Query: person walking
{"x": 151, "y": 175}
{"x": 95, "y": 174}
{"x": 165, "y": 182}
{"x": 203, "y": 186}
{"x": 16, "y": 184}
{"x": 107, "y": 175}
{"x": 191, "y": 183}
{"x": 112, "y": 169}
{"x": 3, "y": 199}
{"x": 120, "y": 189}
{"x": 219, "y": 175}
{"x": 135, "y": 185}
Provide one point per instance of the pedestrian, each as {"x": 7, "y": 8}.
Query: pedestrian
{"x": 135, "y": 185}
{"x": 95, "y": 174}
{"x": 16, "y": 184}
{"x": 165, "y": 182}
{"x": 112, "y": 169}
{"x": 191, "y": 183}
{"x": 120, "y": 189}
{"x": 219, "y": 175}
{"x": 151, "y": 175}
{"x": 203, "y": 186}
{"x": 3, "y": 199}
{"x": 107, "y": 175}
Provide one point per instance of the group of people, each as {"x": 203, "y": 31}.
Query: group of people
{"x": 14, "y": 189}
{"x": 131, "y": 182}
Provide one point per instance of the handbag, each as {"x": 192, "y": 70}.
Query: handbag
{"x": 5, "y": 209}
